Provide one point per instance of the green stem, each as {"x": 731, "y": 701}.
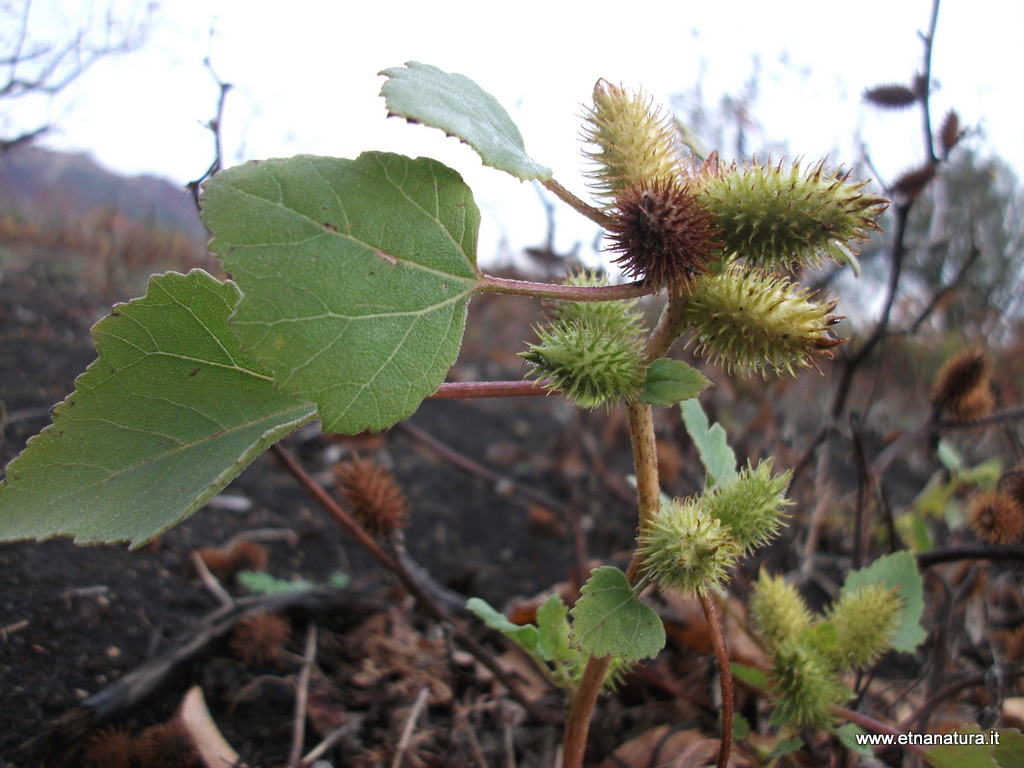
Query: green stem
{"x": 492, "y": 284}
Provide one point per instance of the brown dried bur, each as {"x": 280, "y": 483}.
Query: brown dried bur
{"x": 167, "y": 745}
{"x": 259, "y": 639}
{"x": 1012, "y": 484}
{"x": 962, "y": 389}
{"x": 891, "y": 96}
{"x": 374, "y": 496}
{"x": 109, "y": 748}
{"x": 950, "y": 132}
{"x": 225, "y": 563}
{"x": 666, "y": 237}
{"x": 996, "y": 518}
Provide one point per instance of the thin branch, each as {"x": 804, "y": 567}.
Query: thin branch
{"x": 970, "y": 552}
{"x": 870, "y": 724}
{"x": 302, "y": 698}
{"x": 492, "y": 284}
{"x": 594, "y": 214}
{"x": 210, "y": 581}
{"x": 724, "y": 675}
{"x": 214, "y": 126}
{"x": 469, "y": 465}
{"x": 468, "y": 390}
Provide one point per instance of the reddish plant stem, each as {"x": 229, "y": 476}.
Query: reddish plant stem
{"x": 724, "y": 674}
{"x": 870, "y": 724}
{"x": 581, "y": 708}
{"x": 467, "y": 390}
{"x": 492, "y": 284}
{"x": 594, "y": 214}
{"x": 424, "y": 599}
{"x": 648, "y": 490}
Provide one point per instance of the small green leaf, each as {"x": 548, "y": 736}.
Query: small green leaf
{"x": 458, "y": 106}
{"x": 740, "y": 727}
{"x": 169, "y": 413}
{"x": 749, "y": 675}
{"x": 355, "y": 277}
{"x": 525, "y": 636}
{"x": 949, "y": 456}
{"x": 553, "y": 625}
{"x": 715, "y": 454}
{"x": 261, "y": 583}
{"x": 1009, "y": 753}
{"x": 896, "y": 570}
{"x": 847, "y": 735}
{"x": 670, "y": 381}
{"x": 786, "y": 747}
{"x": 960, "y": 756}
{"x": 609, "y": 618}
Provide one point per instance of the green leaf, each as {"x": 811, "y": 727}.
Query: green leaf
{"x": 458, "y": 106}
{"x": 1009, "y": 753}
{"x": 355, "y": 277}
{"x": 670, "y": 381}
{"x": 740, "y": 727}
{"x": 949, "y": 456}
{"x": 162, "y": 421}
{"x": 971, "y": 747}
{"x": 847, "y": 735}
{"x": 553, "y": 625}
{"x": 786, "y": 747}
{"x": 896, "y": 570}
{"x": 261, "y": 583}
{"x": 715, "y": 454}
{"x": 525, "y": 636}
{"x": 609, "y": 618}
{"x": 749, "y": 675}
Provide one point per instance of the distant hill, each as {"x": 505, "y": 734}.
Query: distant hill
{"x": 44, "y": 186}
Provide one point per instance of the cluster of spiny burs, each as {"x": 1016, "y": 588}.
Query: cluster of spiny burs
{"x": 811, "y": 654}
{"x": 723, "y": 241}
{"x": 719, "y": 237}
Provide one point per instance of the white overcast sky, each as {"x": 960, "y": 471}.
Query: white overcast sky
{"x": 305, "y": 80}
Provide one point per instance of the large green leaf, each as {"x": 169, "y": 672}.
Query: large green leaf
{"x": 355, "y": 276}
{"x": 458, "y": 106}
{"x": 166, "y": 417}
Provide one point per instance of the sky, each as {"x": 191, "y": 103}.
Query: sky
{"x": 304, "y": 78}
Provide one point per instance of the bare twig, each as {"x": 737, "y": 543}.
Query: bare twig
{"x": 562, "y": 292}
{"x": 409, "y": 727}
{"x": 214, "y": 126}
{"x": 210, "y": 581}
{"x": 302, "y": 698}
{"x": 473, "y": 467}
